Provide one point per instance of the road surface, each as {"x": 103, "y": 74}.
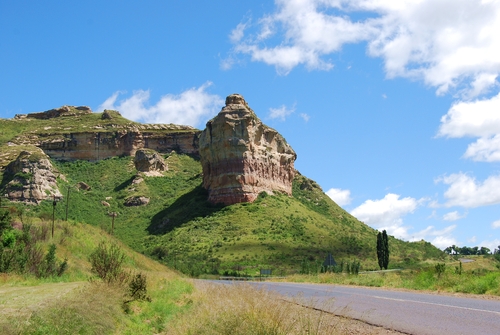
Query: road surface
{"x": 409, "y": 312}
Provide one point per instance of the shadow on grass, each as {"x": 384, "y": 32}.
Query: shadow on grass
{"x": 186, "y": 208}
{"x": 125, "y": 184}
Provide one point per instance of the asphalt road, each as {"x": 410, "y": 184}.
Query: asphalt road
{"x": 412, "y": 313}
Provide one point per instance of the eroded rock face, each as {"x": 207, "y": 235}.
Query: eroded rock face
{"x": 33, "y": 179}
{"x": 241, "y": 157}
{"x": 95, "y": 146}
{"x": 146, "y": 160}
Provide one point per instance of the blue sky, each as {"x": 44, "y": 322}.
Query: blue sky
{"x": 393, "y": 107}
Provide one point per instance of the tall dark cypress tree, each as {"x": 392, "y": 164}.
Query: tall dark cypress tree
{"x": 380, "y": 250}
{"x": 385, "y": 241}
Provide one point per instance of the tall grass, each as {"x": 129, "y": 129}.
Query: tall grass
{"x": 93, "y": 309}
{"x": 473, "y": 281}
{"x": 241, "y": 309}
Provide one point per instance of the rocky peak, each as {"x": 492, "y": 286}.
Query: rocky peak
{"x": 33, "y": 179}
{"x": 241, "y": 157}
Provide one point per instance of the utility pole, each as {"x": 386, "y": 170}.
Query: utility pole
{"x": 113, "y": 215}
{"x": 53, "y": 213}
{"x": 67, "y": 203}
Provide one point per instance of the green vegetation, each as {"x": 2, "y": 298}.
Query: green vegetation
{"x": 383, "y": 250}
{"x": 478, "y": 277}
{"x": 182, "y": 230}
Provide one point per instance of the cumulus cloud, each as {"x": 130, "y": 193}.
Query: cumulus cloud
{"x": 484, "y": 149}
{"x": 280, "y": 113}
{"x": 453, "y": 216}
{"x": 387, "y": 214}
{"x": 341, "y": 197}
{"x": 445, "y": 43}
{"x": 495, "y": 224}
{"x": 465, "y": 191}
{"x": 191, "y": 107}
{"x": 386, "y": 211}
{"x": 479, "y": 118}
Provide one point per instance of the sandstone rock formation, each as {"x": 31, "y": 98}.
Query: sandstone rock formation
{"x": 147, "y": 160}
{"x": 98, "y": 145}
{"x": 113, "y": 135}
{"x": 33, "y": 179}
{"x": 241, "y": 157}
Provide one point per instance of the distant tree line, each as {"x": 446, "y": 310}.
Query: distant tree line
{"x": 456, "y": 250}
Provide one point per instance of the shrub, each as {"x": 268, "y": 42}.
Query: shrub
{"x": 440, "y": 267}
{"x": 138, "y": 288}
{"x": 107, "y": 263}
{"x": 5, "y": 220}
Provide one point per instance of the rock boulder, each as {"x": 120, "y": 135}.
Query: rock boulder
{"x": 33, "y": 179}
{"x": 147, "y": 160}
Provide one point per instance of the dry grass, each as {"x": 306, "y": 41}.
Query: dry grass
{"x": 242, "y": 309}
{"x": 88, "y": 309}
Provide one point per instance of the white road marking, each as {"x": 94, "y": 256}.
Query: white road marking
{"x": 403, "y": 300}
{"x": 435, "y": 304}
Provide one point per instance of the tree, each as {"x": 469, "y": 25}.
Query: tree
{"x": 383, "y": 250}
{"x": 385, "y": 240}
{"x": 380, "y": 251}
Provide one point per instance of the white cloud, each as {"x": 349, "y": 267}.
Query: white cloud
{"x": 305, "y": 116}
{"x": 453, "y": 216}
{"x": 385, "y": 212}
{"x": 341, "y": 197}
{"x": 445, "y": 43}
{"x": 490, "y": 244}
{"x": 495, "y": 224}
{"x": 479, "y": 118}
{"x": 473, "y": 239}
{"x": 465, "y": 191}
{"x": 280, "y": 113}
{"x": 485, "y": 149}
{"x": 192, "y": 107}
{"x": 238, "y": 33}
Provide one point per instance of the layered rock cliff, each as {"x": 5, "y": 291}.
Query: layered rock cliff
{"x": 241, "y": 157}
{"x": 32, "y": 178}
{"x": 81, "y": 134}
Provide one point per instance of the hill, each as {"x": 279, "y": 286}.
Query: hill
{"x": 288, "y": 233}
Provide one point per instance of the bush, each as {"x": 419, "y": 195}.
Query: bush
{"x": 107, "y": 263}
{"x": 138, "y": 288}
{"x": 5, "y": 220}
{"x": 440, "y": 267}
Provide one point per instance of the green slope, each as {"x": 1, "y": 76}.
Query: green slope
{"x": 182, "y": 229}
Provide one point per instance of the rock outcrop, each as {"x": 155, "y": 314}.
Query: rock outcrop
{"x": 63, "y": 111}
{"x": 95, "y": 146}
{"x": 147, "y": 160}
{"x": 86, "y": 138}
{"x": 33, "y": 179}
{"x": 241, "y": 157}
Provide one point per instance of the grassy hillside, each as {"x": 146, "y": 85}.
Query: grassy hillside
{"x": 179, "y": 227}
